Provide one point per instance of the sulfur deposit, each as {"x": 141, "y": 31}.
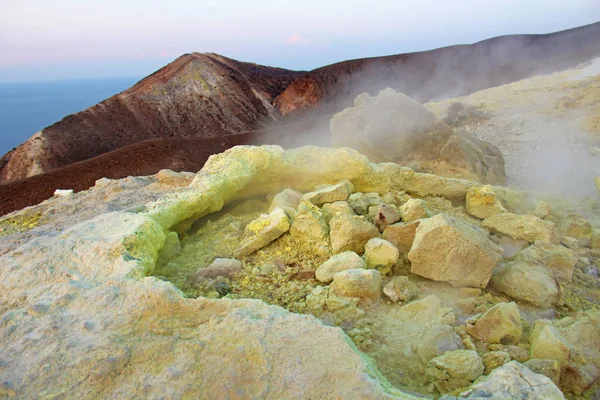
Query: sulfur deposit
{"x": 165, "y": 292}
{"x": 305, "y": 273}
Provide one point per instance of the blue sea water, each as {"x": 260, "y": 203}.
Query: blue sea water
{"x": 28, "y": 107}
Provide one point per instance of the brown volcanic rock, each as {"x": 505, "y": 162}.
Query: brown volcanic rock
{"x": 197, "y": 95}
{"x": 441, "y": 73}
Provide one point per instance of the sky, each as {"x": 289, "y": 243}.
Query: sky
{"x": 75, "y": 39}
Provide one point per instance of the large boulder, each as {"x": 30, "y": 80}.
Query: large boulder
{"x": 351, "y": 233}
{"x": 533, "y": 283}
{"x": 575, "y": 344}
{"x": 394, "y": 127}
{"x": 482, "y": 159}
{"x": 94, "y": 325}
{"x": 401, "y": 235}
{"x": 361, "y": 283}
{"x": 558, "y": 258}
{"x": 482, "y": 202}
{"x": 513, "y": 381}
{"x": 338, "y": 263}
{"x": 517, "y": 226}
{"x": 448, "y": 249}
{"x": 455, "y": 369}
{"x": 574, "y": 225}
{"x": 500, "y": 324}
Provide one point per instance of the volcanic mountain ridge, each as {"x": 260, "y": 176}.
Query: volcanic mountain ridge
{"x": 211, "y": 96}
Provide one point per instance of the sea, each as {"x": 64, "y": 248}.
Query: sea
{"x": 28, "y": 107}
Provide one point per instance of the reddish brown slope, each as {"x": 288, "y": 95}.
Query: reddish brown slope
{"x": 143, "y": 158}
{"x": 196, "y": 96}
{"x": 441, "y": 73}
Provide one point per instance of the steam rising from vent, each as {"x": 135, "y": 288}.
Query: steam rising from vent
{"x": 544, "y": 127}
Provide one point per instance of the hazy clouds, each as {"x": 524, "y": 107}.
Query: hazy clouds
{"x": 40, "y": 39}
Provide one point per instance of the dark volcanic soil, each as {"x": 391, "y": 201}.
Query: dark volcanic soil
{"x": 144, "y": 158}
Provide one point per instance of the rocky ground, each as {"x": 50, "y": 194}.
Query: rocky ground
{"x": 546, "y": 128}
{"x": 313, "y": 273}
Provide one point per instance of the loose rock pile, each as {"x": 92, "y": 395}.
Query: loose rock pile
{"x": 441, "y": 301}
{"x": 438, "y": 294}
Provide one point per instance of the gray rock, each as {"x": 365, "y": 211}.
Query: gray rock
{"x": 226, "y": 267}
{"x": 337, "y": 263}
{"x": 513, "y": 381}
{"x": 285, "y": 199}
{"x": 394, "y": 127}
{"x": 384, "y": 216}
{"x": 400, "y": 289}
{"x": 511, "y": 246}
{"x": 533, "y": 283}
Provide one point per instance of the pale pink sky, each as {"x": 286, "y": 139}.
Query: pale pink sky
{"x": 41, "y": 39}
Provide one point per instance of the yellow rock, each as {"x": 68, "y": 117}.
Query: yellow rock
{"x": 482, "y": 202}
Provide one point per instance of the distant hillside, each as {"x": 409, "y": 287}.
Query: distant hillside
{"x": 441, "y": 73}
{"x": 195, "y": 96}
{"x": 211, "y": 96}
{"x": 139, "y": 159}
